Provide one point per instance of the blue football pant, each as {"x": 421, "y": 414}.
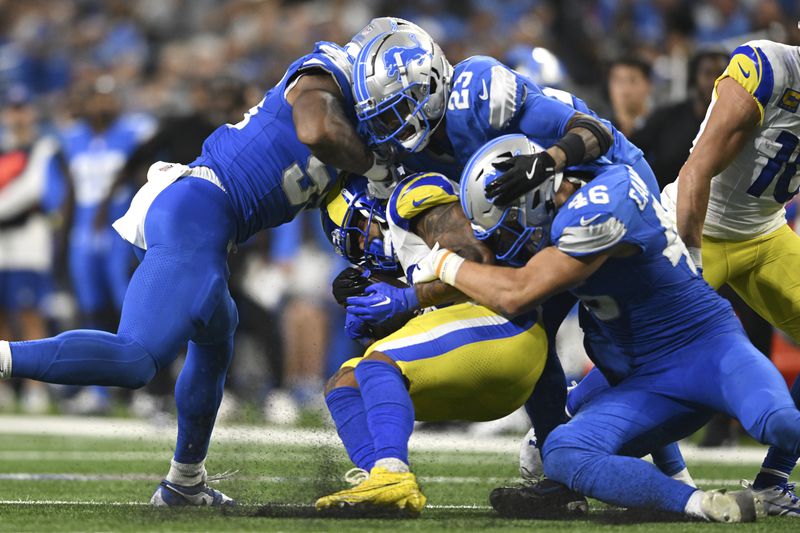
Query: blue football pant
{"x": 178, "y": 293}
{"x": 667, "y": 458}
{"x": 662, "y": 402}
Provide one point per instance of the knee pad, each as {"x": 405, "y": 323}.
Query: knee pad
{"x": 564, "y": 458}
{"x": 142, "y": 368}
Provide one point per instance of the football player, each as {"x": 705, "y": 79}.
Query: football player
{"x": 460, "y": 361}
{"x": 413, "y": 104}
{"x": 730, "y": 196}
{"x": 282, "y": 157}
{"x": 612, "y": 244}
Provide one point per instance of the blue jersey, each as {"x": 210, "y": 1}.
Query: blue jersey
{"x": 267, "y": 172}
{"x": 488, "y": 99}
{"x": 645, "y": 305}
{"x": 95, "y": 158}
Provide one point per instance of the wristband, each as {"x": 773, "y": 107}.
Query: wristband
{"x": 573, "y": 147}
{"x": 377, "y": 172}
{"x": 448, "y": 265}
{"x": 697, "y": 256}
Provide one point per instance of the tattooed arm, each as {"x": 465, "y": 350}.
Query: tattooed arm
{"x": 447, "y": 225}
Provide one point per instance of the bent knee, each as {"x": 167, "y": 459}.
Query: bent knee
{"x": 344, "y": 377}
{"x": 564, "y": 458}
{"x": 141, "y": 368}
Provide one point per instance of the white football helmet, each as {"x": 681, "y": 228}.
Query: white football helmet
{"x": 401, "y": 81}
{"x": 520, "y": 230}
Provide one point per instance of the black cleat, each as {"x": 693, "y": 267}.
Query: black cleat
{"x": 544, "y": 499}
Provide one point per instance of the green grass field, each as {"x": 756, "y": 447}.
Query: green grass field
{"x": 77, "y": 483}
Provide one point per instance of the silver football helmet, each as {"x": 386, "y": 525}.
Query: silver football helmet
{"x": 401, "y": 81}
{"x": 376, "y": 27}
{"x": 520, "y": 230}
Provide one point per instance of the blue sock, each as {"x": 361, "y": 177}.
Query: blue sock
{"x": 390, "y": 413}
{"x": 615, "y": 479}
{"x": 84, "y": 357}
{"x": 778, "y": 464}
{"x": 347, "y": 411}
{"x": 198, "y": 393}
{"x": 669, "y": 459}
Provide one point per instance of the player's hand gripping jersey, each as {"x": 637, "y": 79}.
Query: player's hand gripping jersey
{"x": 267, "y": 172}
{"x": 747, "y": 198}
{"x": 646, "y": 304}
{"x": 488, "y": 99}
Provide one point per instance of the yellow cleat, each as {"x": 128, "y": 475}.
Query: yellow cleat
{"x": 383, "y": 490}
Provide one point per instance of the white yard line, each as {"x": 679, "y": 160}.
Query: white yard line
{"x": 454, "y": 480}
{"x": 96, "y": 503}
{"x": 457, "y": 442}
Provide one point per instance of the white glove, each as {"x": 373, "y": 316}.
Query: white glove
{"x": 440, "y": 263}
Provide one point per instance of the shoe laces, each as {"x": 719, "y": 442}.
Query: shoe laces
{"x": 787, "y": 489}
{"x": 356, "y": 476}
{"x": 216, "y": 478}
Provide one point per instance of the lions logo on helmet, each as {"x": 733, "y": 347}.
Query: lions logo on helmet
{"x": 397, "y": 57}
{"x": 521, "y": 229}
{"x": 401, "y": 80}
{"x": 347, "y": 216}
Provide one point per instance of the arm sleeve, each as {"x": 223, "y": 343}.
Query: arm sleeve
{"x": 543, "y": 117}
{"x": 751, "y": 68}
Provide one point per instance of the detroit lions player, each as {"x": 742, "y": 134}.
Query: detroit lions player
{"x": 612, "y": 245}
{"x": 412, "y": 102}
{"x": 281, "y": 158}
{"x": 730, "y": 196}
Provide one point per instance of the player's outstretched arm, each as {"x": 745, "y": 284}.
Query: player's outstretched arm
{"x": 512, "y": 291}
{"x": 585, "y": 139}
{"x": 447, "y": 225}
{"x": 322, "y": 124}
{"x": 734, "y": 116}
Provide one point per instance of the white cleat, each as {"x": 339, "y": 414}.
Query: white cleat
{"x": 778, "y": 500}
{"x": 729, "y": 507}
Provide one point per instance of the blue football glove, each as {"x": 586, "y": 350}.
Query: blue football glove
{"x": 357, "y": 329}
{"x": 382, "y": 302}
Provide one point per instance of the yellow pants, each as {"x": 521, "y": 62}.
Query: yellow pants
{"x": 764, "y": 271}
{"x": 466, "y": 362}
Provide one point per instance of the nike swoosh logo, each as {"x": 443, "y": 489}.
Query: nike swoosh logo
{"x": 745, "y": 73}
{"x": 418, "y": 203}
{"x": 532, "y": 171}
{"x": 386, "y": 300}
{"x": 587, "y": 221}
{"x": 485, "y": 94}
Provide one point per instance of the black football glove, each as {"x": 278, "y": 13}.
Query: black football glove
{"x": 350, "y": 282}
{"x": 521, "y": 173}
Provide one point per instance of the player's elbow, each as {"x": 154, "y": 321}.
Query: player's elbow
{"x": 510, "y": 303}
{"x": 310, "y": 120}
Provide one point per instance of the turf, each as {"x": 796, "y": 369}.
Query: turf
{"x": 110, "y": 480}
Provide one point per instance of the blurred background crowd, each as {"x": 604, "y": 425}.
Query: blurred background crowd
{"x": 94, "y": 91}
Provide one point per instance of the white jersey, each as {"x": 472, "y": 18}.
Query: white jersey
{"x": 747, "y": 198}
{"x": 414, "y": 195}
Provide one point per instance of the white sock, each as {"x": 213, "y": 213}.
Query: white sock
{"x": 186, "y": 474}
{"x": 5, "y": 360}
{"x": 685, "y": 477}
{"x": 693, "y": 507}
{"x": 392, "y": 464}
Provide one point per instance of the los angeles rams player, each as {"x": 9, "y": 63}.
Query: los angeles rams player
{"x": 457, "y": 362}
{"x": 730, "y": 196}
{"x": 612, "y": 244}
{"x": 281, "y": 158}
